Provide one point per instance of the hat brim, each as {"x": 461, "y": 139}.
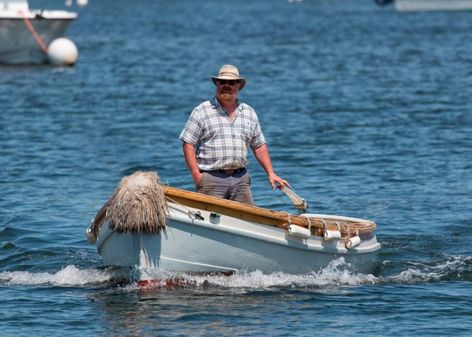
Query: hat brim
{"x": 242, "y": 79}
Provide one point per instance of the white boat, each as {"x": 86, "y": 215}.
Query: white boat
{"x": 25, "y": 34}
{"x": 428, "y": 5}
{"x": 209, "y": 234}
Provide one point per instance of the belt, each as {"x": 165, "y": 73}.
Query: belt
{"x": 229, "y": 172}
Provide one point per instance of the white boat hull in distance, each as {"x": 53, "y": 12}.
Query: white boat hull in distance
{"x": 227, "y": 244}
{"x": 17, "y": 43}
{"x": 432, "y": 5}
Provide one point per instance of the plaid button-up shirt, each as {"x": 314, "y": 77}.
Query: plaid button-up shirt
{"x": 220, "y": 143}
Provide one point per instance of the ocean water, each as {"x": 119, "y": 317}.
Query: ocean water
{"x": 367, "y": 112}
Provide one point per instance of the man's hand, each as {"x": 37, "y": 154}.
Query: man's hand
{"x": 196, "y": 176}
{"x": 276, "y": 180}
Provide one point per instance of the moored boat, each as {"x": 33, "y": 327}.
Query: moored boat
{"x": 26, "y": 34}
{"x": 208, "y": 234}
{"x": 428, "y": 5}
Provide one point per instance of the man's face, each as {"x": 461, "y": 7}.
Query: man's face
{"x": 227, "y": 90}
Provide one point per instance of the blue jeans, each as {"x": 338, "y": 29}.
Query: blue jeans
{"x": 235, "y": 187}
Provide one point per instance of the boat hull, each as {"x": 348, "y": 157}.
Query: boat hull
{"x": 17, "y": 44}
{"x": 193, "y": 245}
{"x": 432, "y": 5}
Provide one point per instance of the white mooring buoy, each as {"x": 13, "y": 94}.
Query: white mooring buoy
{"x": 82, "y": 3}
{"x": 62, "y": 51}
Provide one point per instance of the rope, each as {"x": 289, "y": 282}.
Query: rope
{"x": 309, "y": 223}
{"x": 288, "y": 218}
{"x": 348, "y": 229}
{"x": 338, "y": 227}
{"x": 191, "y": 214}
{"x": 33, "y": 32}
{"x": 325, "y": 226}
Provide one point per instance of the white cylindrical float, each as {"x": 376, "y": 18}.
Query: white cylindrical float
{"x": 299, "y": 232}
{"x": 62, "y": 51}
{"x": 353, "y": 242}
{"x": 330, "y": 235}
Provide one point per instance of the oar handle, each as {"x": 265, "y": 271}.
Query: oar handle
{"x": 297, "y": 201}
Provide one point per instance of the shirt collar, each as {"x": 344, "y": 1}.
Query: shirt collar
{"x": 214, "y": 101}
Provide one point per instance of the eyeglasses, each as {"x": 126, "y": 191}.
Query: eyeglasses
{"x": 230, "y": 82}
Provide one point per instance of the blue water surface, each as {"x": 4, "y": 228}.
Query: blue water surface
{"x": 367, "y": 113}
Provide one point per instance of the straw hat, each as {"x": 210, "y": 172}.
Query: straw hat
{"x": 229, "y": 72}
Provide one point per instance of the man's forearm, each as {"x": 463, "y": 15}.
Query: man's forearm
{"x": 262, "y": 155}
{"x": 191, "y": 160}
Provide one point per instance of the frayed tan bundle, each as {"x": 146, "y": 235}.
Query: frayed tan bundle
{"x": 137, "y": 205}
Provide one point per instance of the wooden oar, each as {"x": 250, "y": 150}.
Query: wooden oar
{"x": 298, "y": 202}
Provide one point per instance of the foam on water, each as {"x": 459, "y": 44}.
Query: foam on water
{"x": 69, "y": 276}
{"x": 455, "y": 267}
{"x": 337, "y": 273}
{"x": 449, "y": 267}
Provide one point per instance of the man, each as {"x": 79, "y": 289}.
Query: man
{"x": 216, "y": 139}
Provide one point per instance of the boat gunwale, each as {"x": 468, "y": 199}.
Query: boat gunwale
{"x": 37, "y": 15}
{"x": 350, "y": 226}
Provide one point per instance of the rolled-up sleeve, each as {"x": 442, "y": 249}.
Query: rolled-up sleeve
{"x": 192, "y": 131}
{"x": 258, "y": 138}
